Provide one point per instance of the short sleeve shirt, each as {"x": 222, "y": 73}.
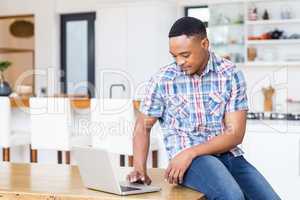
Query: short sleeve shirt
{"x": 191, "y": 108}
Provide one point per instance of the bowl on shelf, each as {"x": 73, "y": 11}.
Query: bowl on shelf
{"x": 24, "y": 90}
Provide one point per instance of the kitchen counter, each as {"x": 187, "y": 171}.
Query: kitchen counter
{"x": 280, "y": 126}
{"x": 76, "y": 102}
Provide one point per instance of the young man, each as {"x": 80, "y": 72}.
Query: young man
{"x": 201, "y": 104}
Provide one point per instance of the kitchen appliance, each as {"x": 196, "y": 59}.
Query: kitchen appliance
{"x": 255, "y": 115}
{"x": 273, "y": 116}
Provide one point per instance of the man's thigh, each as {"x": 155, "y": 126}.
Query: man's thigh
{"x": 207, "y": 174}
{"x": 253, "y": 184}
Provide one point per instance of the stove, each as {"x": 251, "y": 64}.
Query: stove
{"x": 273, "y": 116}
{"x": 255, "y": 115}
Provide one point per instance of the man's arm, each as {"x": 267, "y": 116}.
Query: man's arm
{"x": 235, "y": 125}
{"x": 141, "y": 140}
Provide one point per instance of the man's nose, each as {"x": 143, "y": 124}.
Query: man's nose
{"x": 180, "y": 61}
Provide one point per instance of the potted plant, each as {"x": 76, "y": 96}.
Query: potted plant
{"x": 5, "y": 89}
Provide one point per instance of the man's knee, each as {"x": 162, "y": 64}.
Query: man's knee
{"x": 208, "y": 175}
{"x": 230, "y": 194}
{"x": 224, "y": 193}
{"x": 228, "y": 190}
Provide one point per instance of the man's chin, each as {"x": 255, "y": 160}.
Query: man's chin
{"x": 188, "y": 72}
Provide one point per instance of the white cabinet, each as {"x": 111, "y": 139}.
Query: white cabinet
{"x": 111, "y": 37}
{"x": 111, "y": 40}
{"x": 277, "y": 157}
{"x": 132, "y": 43}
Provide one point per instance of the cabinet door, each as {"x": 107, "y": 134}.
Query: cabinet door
{"x": 111, "y": 37}
{"x": 148, "y": 43}
{"x": 142, "y": 42}
{"x": 276, "y": 156}
{"x": 111, "y": 51}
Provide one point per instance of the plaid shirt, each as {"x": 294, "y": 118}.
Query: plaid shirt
{"x": 191, "y": 108}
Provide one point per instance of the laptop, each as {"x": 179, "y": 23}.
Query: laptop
{"x": 97, "y": 173}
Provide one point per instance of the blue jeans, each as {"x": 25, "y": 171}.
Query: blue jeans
{"x": 225, "y": 177}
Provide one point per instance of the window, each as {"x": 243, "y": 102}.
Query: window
{"x": 199, "y": 12}
{"x": 78, "y": 53}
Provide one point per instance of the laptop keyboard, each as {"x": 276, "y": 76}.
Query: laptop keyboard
{"x": 128, "y": 189}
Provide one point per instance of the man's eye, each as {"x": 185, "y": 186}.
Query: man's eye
{"x": 185, "y": 55}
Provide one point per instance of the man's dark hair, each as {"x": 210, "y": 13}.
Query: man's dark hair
{"x": 188, "y": 26}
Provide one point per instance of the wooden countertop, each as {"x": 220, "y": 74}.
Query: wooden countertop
{"x": 76, "y": 102}
{"x": 63, "y": 182}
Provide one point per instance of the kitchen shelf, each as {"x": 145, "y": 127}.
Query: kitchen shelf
{"x": 270, "y": 22}
{"x": 226, "y": 25}
{"x": 220, "y": 32}
{"x": 268, "y": 1}
{"x": 14, "y": 50}
{"x": 281, "y": 41}
{"x": 270, "y": 64}
{"x": 226, "y": 44}
{"x": 226, "y": 30}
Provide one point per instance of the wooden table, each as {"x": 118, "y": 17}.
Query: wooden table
{"x": 63, "y": 182}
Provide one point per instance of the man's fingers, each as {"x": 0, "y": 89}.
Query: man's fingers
{"x": 181, "y": 176}
{"x": 137, "y": 177}
{"x": 133, "y": 176}
{"x": 176, "y": 177}
{"x": 171, "y": 174}
{"x": 147, "y": 181}
{"x": 167, "y": 172}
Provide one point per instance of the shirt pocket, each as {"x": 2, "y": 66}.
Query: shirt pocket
{"x": 215, "y": 104}
{"x": 178, "y": 106}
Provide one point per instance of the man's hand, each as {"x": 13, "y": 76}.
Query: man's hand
{"x": 138, "y": 176}
{"x": 141, "y": 140}
{"x": 178, "y": 165}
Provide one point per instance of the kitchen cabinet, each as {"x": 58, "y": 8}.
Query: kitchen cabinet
{"x": 133, "y": 43}
{"x": 273, "y": 40}
{"x": 226, "y": 30}
{"x": 277, "y": 156}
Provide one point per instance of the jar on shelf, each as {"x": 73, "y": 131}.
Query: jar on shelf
{"x": 286, "y": 12}
{"x": 252, "y": 13}
{"x": 252, "y": 53}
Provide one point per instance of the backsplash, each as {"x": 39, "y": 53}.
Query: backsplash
{"x": 285, "y": 81}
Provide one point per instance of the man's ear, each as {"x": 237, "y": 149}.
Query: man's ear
{"x": 205, "y": 43}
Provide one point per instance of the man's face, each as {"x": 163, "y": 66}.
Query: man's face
{"x": 190, "y": 53}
